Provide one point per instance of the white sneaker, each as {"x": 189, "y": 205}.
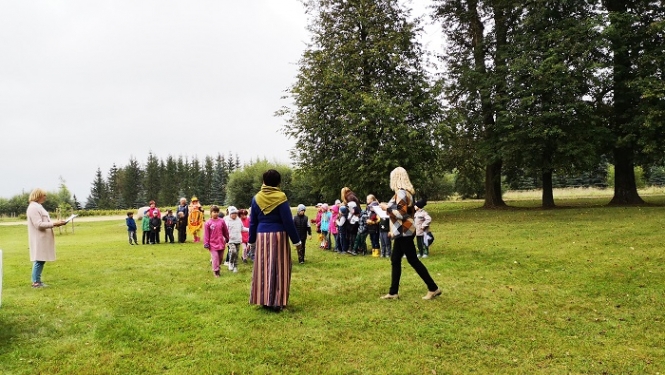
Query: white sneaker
{"x": 226, "y": 263}
{"x": 418, "y": 255}
{"x": 424, "y": 255}
{"x": 230, "y": 267}
{"x": 235, "y": 269}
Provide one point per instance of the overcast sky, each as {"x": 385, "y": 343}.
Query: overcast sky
{"x": 86, "y": 84}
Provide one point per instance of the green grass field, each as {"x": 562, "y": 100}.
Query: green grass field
{"x": 574, "y": 290}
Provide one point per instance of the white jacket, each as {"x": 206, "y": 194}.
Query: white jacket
{"x": 235, "y": 229}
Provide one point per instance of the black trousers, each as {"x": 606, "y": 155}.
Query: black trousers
{"x": 301, "y": 252}
{"x": 168, "y": 234}
{"x": 182, "y": 234}
{"x": 405, "y": 246}
{"x": 146, "y": 237}
{"x": 154, "y": 236}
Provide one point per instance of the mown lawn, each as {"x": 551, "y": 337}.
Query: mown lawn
{"x": 573, "y": 290}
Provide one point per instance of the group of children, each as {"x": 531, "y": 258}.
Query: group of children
{"x": 151, "y": 224}
{"x": 230, "y": 230}
{"x": 344, "y": 222}
{"x": 349, "y": 226}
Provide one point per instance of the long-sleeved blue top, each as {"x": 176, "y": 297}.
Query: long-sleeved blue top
{"x": 278, "y": 220}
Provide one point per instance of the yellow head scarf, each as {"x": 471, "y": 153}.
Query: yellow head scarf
{"x": 268, "y": 198}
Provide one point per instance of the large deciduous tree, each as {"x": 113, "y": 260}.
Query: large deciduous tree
{"x": 636, "y": 43}
{"x": 552, "y": 66}
{"x": 363, "y": 103}
{"x": 477, "y": 36}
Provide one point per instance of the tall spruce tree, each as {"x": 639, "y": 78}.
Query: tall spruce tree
{"x": 132, "y": 184}
{"x": 218, "y": 193}
{"x": 114, "y": 188}
{"x": 152, "y": 179}
{"x": 169, "y": 186}
{"x": 208, "y": 177}
{"x": 182, "y": 170}
{"x": 363, "y": 101}
{"x": 98, "y": 198}
{"x": 195, "y": 177}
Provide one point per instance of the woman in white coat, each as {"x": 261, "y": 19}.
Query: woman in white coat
{"x": 40, "y": 235}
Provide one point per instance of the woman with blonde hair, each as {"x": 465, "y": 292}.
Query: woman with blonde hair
{"x": 400, "y": 208}
{"x": 41, "y": 239}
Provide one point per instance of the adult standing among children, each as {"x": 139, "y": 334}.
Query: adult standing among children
{"x": 41, "y": 239}
{"x": 182, "y": 214}
{"x": 349, "y": 196}
{"x": 153, "y": 211}
{"x": 402, "y": 229}
{"x": 270, "y": 228}
{"x": 182, "y": 207}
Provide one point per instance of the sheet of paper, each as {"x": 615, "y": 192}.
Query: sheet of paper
{"x": 382, "y": 214}
{"x": 67, "y": 220}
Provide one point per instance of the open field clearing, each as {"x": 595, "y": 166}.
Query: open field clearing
{"x": 526, "y": 291}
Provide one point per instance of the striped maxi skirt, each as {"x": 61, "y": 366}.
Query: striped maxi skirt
{"x": 271, "y": 277}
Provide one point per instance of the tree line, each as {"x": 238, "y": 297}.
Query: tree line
{"x": 521, "y": 94}
{"x": 528, "y": 88}
{"x": 164, "y": 181}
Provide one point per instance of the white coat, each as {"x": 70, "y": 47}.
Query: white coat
{"x": 40, "y": 233}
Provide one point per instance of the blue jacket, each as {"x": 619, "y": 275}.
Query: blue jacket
{"x": 278, "y": 220}
{"x": 131, "y": 224}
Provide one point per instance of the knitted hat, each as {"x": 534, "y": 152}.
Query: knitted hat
{"x": 343, "y": 210}
{"x": 324, "y": 206}
{"x": 301, "y": 207}
{"x": 421, "y": 203}
{"x": 232, "y": 210}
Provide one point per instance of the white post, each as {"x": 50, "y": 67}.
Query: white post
{"x": 0, "y": 277}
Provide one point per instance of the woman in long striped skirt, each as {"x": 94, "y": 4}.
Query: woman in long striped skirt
{"x": 270, "y": 228}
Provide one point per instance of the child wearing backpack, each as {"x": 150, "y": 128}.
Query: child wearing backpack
{"x": 169, "y": 225}
{"x": 422, "y": 221}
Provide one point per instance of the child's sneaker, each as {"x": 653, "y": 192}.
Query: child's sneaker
{"x": 235, "y": 269}
{"x": 216, "y": 273}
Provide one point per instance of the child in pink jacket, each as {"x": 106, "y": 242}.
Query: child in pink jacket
{"x": 215, "y": 237}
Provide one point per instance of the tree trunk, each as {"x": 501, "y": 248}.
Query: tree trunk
{"x": 625, "y": 188}
{"x": 493, "y": 196}
{"x": 548, "y": 194}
